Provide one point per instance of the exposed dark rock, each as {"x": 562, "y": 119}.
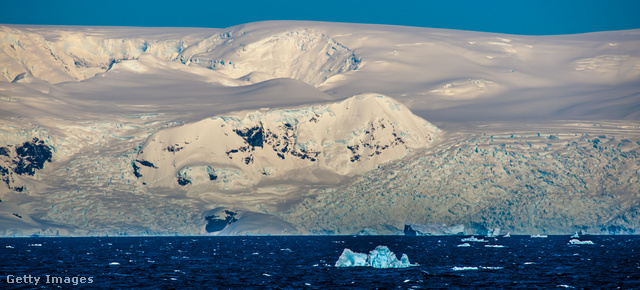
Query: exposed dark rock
{"x": 17, "y": 215}
{"x": 146, "y": 163}
{"x": 31, "y": 156}
{"x": 135, "y": 170}
{"x": 215, "y": 224}
{"x": 4, "y": 151}
{"x": 174, "y": 148}
{"x": 253, "y": 136}
{"x": 408, "y": 231}
{"x": 24, "y": 160}
{"x": 183, "y": 181}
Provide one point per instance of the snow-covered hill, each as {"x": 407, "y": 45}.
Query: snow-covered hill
{"x": 290, "y": 127}
{"x": 314, "y": 144}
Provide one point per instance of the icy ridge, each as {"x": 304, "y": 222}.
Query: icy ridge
{"x": 303, "y": 54}
{"x": 73, "y": 55}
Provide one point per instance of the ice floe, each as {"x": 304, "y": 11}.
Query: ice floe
{"x": 579, "y": 242}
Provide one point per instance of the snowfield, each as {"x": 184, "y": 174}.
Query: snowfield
{"x": 291, "y": 127}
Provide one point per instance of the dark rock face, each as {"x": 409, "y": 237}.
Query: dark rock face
{"x": 136, "y": 168}
{"x": 183, "y": 181}
{"x": 31, "y": 156}
{"x": 25, "y": 159}
{"x": 216, "y": 224}
{"x": 253, "y": 136}
{"x": 408, "y": 231}
{"x": 281, "y": 141}
{"x": 146, "y": 163}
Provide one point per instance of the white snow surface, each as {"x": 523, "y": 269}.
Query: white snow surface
{"x": 522, "y": 123}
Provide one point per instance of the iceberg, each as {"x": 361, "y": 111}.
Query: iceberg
{"x": 473, "y": 239}
{"x": 381, "y": 257}
{"x": 579, "y": 242}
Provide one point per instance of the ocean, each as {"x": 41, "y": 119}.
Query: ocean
{"x": 308, "y": 262}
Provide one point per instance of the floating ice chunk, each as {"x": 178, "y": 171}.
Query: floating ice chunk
{"x": 494, "y": 246}
{"x": 473, "y": 239}
{"x": 538, "y": 236}
{"x": 352, "y": 259}
{"x": 464, "y": 245}
{"x": 491, "y": 268}
{"x": 114, "y": 264}
{"x": 579, "y": 242}
{"x": 9, "y": 247}
{"x": 381, "y": 257}
{"x": 464, "y": 268}
{"x": 35, "y": 245}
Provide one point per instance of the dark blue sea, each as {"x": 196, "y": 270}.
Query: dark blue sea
{"x": 308, "y": 262}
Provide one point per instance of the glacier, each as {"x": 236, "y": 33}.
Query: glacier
{"x": 316, "y": 128}
{"x": 380, "y": 258}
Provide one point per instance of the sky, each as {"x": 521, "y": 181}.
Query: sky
{"x": 533, "y": 17}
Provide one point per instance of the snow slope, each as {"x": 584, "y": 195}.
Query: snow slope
{"x": 309, "y": 127}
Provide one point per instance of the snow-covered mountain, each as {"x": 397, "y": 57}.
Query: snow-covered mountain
{"x": 290, "y": 127}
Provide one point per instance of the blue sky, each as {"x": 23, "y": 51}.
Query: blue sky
{"x": 514, "y": 17}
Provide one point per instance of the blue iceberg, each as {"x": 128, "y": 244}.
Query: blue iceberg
{"x": 381, "y": 257}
